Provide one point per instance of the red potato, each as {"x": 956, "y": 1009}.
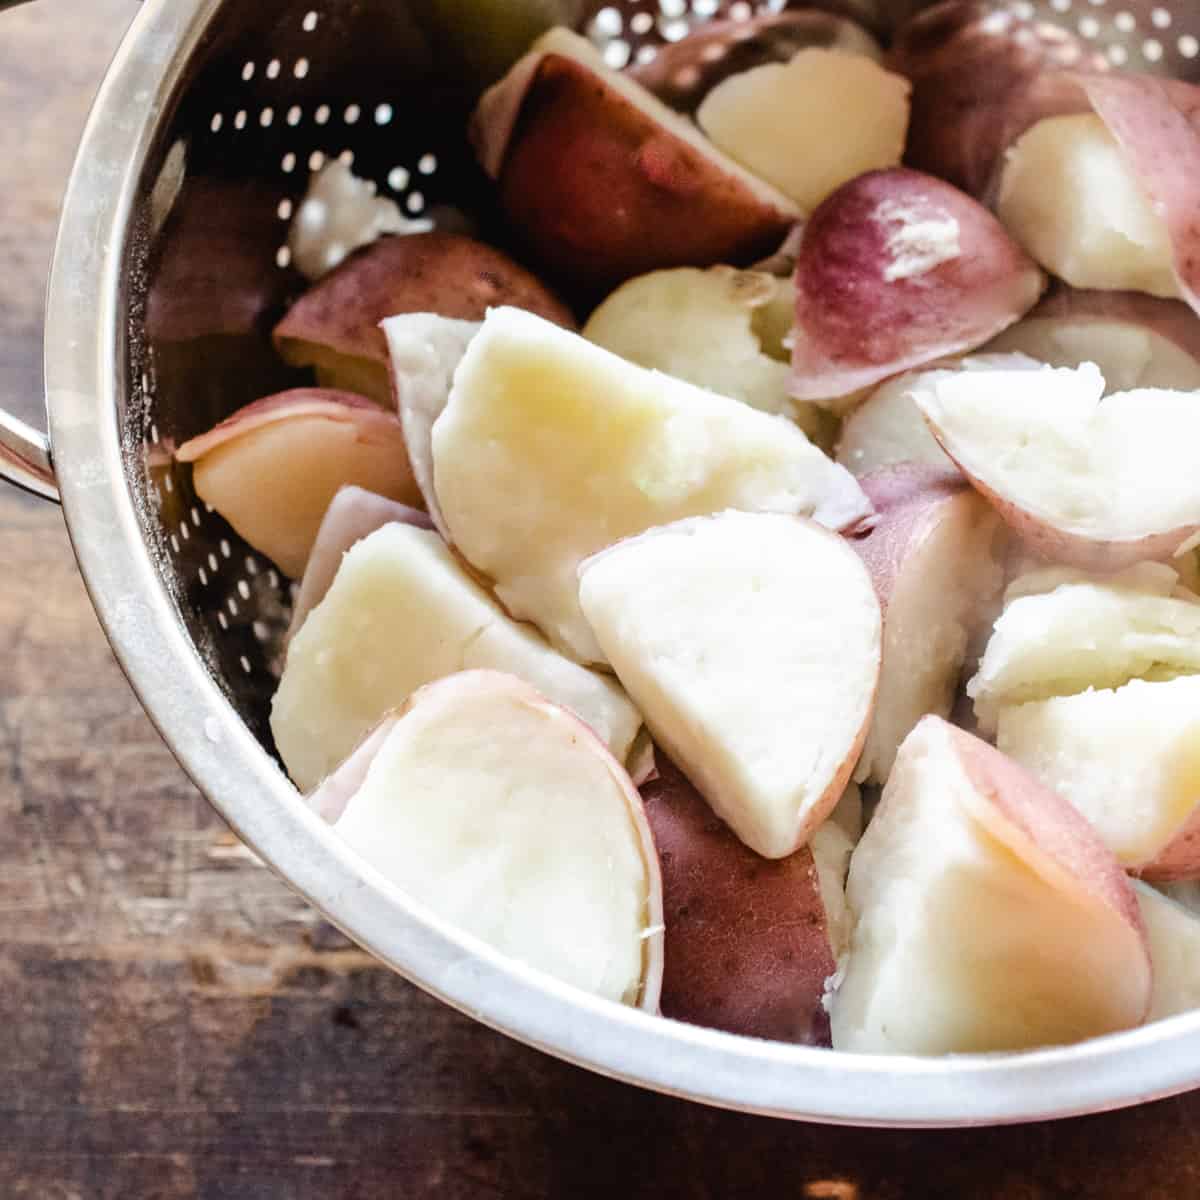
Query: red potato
{"x": 934, "y": 557}
{"x": 1137, "y": 341}
{"x": 981, "y": 77}
{"x": 1095, "y": 483}
{"x": 988, "y": 914}
{"x": 704, "y": 618}
{"x": 1158, "y": 129}
{"x": 602, "y": 182}
{"x": 335, "y": 325}
{"x": 570, "y": 881}
{"x": 683, "y": 73}
{"x": 1174, "y": 934}
{"x": 1129, "y": 760}
{"x": 273, "y": 467}
{"x": 748, "y": 942}
{"x": 897, "y": 269}
{"x": 352, "y": 514}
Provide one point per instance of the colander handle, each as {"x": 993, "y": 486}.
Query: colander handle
{"x": 25, "y": 456}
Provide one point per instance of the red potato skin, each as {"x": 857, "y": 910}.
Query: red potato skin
{"x": 1179, "y": 859}
{"x": 684, "y": 72}
{"x": 980, "y": 79}
{"x": 1071, "y": 549}
{"x": 443, "y": 273}
{"x": 598, "y": 192}
{"x": 1158, "y": 129}
{"x": 1045, "y": 825}
{"x": 856, "y": 327}
{"x": 747, "y": 943}
{"x": 1170, "y": 319}
{"x": 907, "y": 498}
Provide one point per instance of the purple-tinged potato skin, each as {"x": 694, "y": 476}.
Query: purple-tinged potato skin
{"x": 442, "y": 273}
{"x": 1158, "y": 129}
{"x": 863, "y": 315}
{"x": 981, "y": 77}
{"x": 747, "y": 941}
{"x": 598, "y": 191}
{"x": 907, "y": 498}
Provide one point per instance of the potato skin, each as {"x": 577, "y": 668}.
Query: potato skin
{"x": 747, "y": 940}
{"x": 599, "y": 192}
{"x": 443, "y": 273}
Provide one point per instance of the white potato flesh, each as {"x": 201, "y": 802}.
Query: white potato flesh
{"x": 751, "y": 644}
{"x": 1129, "y": 355}
{"x": 1127, "y": 758}
{"x": 424, "y": 351}
{"x": 1069, "y": 196}
{"x": 719, "y": 329}
{"x": 1088, "y": 634}
{"x": 339, "y": 213}
{"x": 988, "y": 917}
{"x": 775, "y": 120}
{"x": 400, "y": 614}
{"x": 1174, "y": 935}
{"x": 1096, "y": 478}
{"x": 888, "y": 429}
{"x": 502, "y": 814}
{"x": 552, "y": 448}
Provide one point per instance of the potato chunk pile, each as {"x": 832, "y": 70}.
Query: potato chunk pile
{"x": 762, "y": 586}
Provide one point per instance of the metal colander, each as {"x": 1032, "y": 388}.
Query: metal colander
{"x": 171, "y": 264}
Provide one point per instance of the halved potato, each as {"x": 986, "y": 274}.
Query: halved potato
{"x": 601, "y": 181}
{"x": 1098, "y": 482}
{"x": 988, "y": 914}
{"x": 273, "y": 467}
{"x": 402, "y": 612}
{"x": 751, "y": 643}
{"x": 897, "y": 269}
{"x": 504, "y": 815}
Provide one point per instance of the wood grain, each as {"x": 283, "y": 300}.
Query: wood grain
{"x": 177, "y": 1024}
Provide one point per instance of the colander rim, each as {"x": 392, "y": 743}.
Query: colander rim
{"x": 85, "y": 366}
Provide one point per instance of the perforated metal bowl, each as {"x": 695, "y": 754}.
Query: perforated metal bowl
{"x": 170, "y": 262}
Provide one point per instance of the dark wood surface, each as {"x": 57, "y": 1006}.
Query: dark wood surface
{"x": 175, "y": 1023}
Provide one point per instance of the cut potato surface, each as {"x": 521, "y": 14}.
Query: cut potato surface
{"x": 1174, "y": 935}
{"x": 1137, "y": 341}
{"x": 552, "y": 448}
{"x": 400, "y": 614}
{"x": 273, "y": 467}
{"x": 1098, "y": 483}
{"x": 933, "y": 559}
{"x": 602, "y": 181}
{"x": 1062, "y": 633}
{"x": 1128, "y": 759}
{"x": 1070, "y": 197}
{"x": 895, "y": 270}
{"x": 748, "y": 943}
{"x": 424, "y": 351}
{"x": 352, "y": 515}
{"x": 988, "y": 914}
{"x": 720, "y": 329}
{"x": 503, "y": 814}
{"x": 775, "y": 120}
{"x": 751, "y": 644}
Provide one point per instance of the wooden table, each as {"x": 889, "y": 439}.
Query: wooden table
{"x": 175, "y": 1023}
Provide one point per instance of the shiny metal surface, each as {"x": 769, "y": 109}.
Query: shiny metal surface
{"x": 168, "y": 270}
{"x": 25, "y": 457}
